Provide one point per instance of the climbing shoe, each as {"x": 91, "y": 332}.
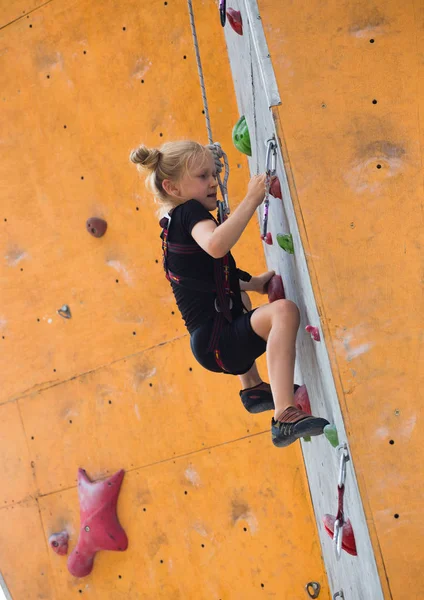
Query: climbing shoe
{"x": 294, "y": 425}
{"x": 256, "y": 400}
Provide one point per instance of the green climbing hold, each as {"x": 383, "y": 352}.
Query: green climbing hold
{"x": 330, "y": 433}
{"x": 285, "y": 241}
{"x": 307, "y": 438}
{"x": 241, "y": 137}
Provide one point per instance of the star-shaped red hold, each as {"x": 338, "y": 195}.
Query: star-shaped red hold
{"x": 100, "y": 528}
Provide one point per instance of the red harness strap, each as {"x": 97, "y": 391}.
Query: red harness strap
{"x": 223, "y": 300}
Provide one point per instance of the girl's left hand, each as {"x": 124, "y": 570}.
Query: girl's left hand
{"x": 260, "y": 283}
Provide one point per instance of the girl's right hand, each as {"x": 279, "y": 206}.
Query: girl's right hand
{"x": 256, "y": 189}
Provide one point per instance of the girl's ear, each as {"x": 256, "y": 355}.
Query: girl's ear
{"x": 170, "y": 188}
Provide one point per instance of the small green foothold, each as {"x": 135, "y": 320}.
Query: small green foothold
{"x": 285, "y": 241}
{"x": 307, "y": 438}
{"x": 330, "y": 433}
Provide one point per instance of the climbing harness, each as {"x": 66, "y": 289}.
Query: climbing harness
{"x": 223, "y": 301}
{"x": 270, "y": 170}
{"x": 340, "y": 522}
{"x": 223, "y": 207}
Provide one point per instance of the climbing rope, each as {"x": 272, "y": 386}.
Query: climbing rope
{"x": 217, "y": 151}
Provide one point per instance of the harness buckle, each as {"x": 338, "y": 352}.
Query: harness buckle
{"x": 217, "y": 308}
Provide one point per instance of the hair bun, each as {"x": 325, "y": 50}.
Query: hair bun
{"x": 148, "y": 158}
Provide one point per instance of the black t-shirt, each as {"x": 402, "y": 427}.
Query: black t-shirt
{"x": 196, "y": 307}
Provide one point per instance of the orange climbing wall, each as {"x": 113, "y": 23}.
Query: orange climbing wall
{"x": 350, "y": 79}
{"x": 211, "y": 508}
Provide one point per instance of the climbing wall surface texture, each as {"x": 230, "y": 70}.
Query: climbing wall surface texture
{"x": 211, "y": 508}
{"x": 346, "y": 118}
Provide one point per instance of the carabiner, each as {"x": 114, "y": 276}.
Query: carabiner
{"x": 271, "y": 157}
{"x": 338, "y": 538}
{"x": 344, "y": 458}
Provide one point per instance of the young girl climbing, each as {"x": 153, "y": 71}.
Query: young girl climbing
{"x": 226, "y": 336}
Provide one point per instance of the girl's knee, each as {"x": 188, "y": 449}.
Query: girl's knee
{"x": 287, "y": 310}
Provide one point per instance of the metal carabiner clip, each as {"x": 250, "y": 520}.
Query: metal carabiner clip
{"x": 271, "y": 156}
{"x": 344, "y": 458}
{"x": 338, "y": 538}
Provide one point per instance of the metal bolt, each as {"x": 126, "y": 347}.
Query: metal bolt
{"x": 397, "y": 412}
{"x": 87, "y": 528}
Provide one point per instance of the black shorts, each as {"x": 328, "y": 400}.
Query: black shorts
{"x": 239, "y": 346}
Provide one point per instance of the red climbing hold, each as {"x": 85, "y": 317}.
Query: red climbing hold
{"x": 100, "y": 528}
{"x": 348, "y": 540}
{"x": 267, "y": 238}
{"x": 96, "y": 227}
{"x": 314, "y": 331}
{"x": 58, "y": 542}
{"x": 275, "y": 188}
{"x": 235, "y": 20}
{"x": 275, "y": 289}
{"x": 301, "y": 400}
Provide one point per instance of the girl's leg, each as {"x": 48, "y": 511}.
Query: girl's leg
{"x": 252, "y": 377}
{"x": 277, "y": 323}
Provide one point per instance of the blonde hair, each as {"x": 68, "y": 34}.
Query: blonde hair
{"x": 171, "y": 161}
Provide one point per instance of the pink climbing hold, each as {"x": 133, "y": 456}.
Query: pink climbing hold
{"x": 235, "y": 20}
{"x": 314, "y": 331}
{"x": 275, "y": 289}
{"x": 58, "y": 542}
{"x": 275, "y": 188}
{"x": 100, "y": 527}
{"x": 348, "y": 540}
{"x": 301, "y": 400}
{"x": 267, "y": 238}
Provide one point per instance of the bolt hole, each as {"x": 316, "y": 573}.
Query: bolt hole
{"x": 110, "y": 401}
{"x": 190, "y": 369}
{"x": 392, "y": 442}
{"x": 82, "y": 178}
{"x": 262, "y": 585}
{"x": 142, "y": 81}
{"x": 70, "y": 422}
{"x": 185, "y": 57}
{"x": 371, "y": 41}
{"x": 117, "y": 280}
{"x": 124, "y": 29}
{"x": 378, "y": 166}
{"x": 244, "y": 528}
{"x": 396, "y": 516}
{"x": 144, "y": 509}
{"x": 203, "y": 545}
{"x": 119, "y": 576}
{"x": 185, "y": 492}
{"x": 161, "y": 135}
{"x": 374, "y": 101}
{"x": 134, "y": 333}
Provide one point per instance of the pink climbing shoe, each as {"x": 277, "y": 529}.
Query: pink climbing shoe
{"x": 256, "y": 400}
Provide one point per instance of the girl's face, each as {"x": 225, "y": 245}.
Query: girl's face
{"x": 200, "y": 183}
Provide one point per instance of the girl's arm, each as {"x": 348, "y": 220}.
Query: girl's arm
{"x": 218, "y": 241}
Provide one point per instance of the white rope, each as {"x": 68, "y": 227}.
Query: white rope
{"x": 217, "y": 151}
